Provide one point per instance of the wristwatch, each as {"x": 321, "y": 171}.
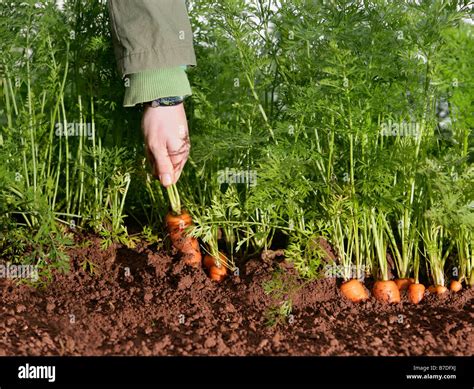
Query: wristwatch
{"x": 166, "y": 101}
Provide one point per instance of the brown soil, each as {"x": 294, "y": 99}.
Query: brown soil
{"x": 165, "y": 308}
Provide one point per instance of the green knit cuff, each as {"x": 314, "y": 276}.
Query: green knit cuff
{"x": 154, "y": 84}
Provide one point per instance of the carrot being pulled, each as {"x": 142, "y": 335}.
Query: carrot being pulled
{"x": 177, "y": 221}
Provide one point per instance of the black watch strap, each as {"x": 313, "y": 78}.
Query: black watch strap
{"x": 166, "y": 101}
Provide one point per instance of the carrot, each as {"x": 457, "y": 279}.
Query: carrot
{"x": 354, "y": 291}
{"x": 440, "y": 289}
{"x": 187, "y": 245}
{"x": 217, "y": 271}
{"x": 416, "y": 292}
{"x": 404, "y": 283}
{"x": 386, "y": 291}
{"x": 455, "y": 286}
{"x": 437, "y": 289}
{"x": 177, "y": 223}
{"x": 208, "y": 261}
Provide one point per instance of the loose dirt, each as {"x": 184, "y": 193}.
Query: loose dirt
{"x": 142, "y": 302}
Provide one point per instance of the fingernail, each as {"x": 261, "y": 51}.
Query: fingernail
{"x": 165, "y": 179}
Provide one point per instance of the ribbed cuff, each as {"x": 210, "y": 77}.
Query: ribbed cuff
{"x": 154, "y": 84}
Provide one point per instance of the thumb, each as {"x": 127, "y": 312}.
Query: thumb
{"x": 162, "y": 165}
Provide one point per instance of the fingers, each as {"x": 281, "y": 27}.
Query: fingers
{"x": 179, "y": 150}
{"x": 178, "y": 165}
{"x": 161, "y": 163}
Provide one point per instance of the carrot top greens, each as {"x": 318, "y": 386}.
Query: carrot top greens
{"x": 344, "y": 120}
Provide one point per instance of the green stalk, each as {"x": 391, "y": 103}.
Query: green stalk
{"x": 408, "y": 238}
{"x": 54, "y": 115}
{"x": 175, "y": 201}
{"x": 58, "y": 168}
{"x": 30, "y": 111}
{"x": 66, "y": 151}
{"x": 344, "y": 244}
{"x": 358, "y": 242}
{"x": 416, "y": 266}
{"x": 434, "y": 237}
{"x": 98, "y": 201}
{"x": 7, "y": 102}
{"x": 465, "y": 248}
{"x": 330, "y": 167}
{"x": 81, "y": 163}
{"x": 124, "y": 196}
{"x": 378, "y": 234}
{"x": 368, "y": 250}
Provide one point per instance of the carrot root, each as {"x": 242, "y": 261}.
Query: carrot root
{"x": 386, "y": 291}
{"x": 416, "y": 293}
{"x": 437, "y": 289}
{"x": 354, "y": 291}
{"x": 455, "y": 286}
{"x": 217, "y": 272}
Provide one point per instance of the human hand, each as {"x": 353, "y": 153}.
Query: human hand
{"x": 167, "y": 141}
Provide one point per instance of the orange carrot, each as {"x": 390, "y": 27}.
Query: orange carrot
{"x": 177, "y": 223}
{"x": 416, "y": 293}
{"x": 354, "y": 291}
{"x": 455, "y": 286}
{"x": 437, "y": 289}
{"x": 208, "y": 261}
{"x": 404, "y": 283}
{"x": 386, "y": 291}
{"x": 187, "y": 245}
{"x": 217, "y": 272}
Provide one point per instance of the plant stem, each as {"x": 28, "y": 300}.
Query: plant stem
{"x": 175, "y": 201}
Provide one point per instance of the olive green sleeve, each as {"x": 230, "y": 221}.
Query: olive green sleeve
{"x": 153, "y": 84}
{"x": 151, "y": 34}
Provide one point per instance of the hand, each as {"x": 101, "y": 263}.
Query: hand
{"x": 167, "y": 141}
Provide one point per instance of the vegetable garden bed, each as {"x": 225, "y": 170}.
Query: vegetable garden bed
{"x": 161, "y": 307}
{"x": 339, "y": 132}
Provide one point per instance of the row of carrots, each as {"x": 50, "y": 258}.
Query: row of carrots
{"x": 384, "y": 290}
{"x": 389, "y": 291}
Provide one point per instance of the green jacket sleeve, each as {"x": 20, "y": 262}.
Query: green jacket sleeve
{"x": 153, "y": 43}
{"x": 153, "y": 84}
{"x": 151, "y": 34}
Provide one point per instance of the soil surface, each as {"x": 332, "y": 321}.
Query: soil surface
{"x": 142, "y": 302}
